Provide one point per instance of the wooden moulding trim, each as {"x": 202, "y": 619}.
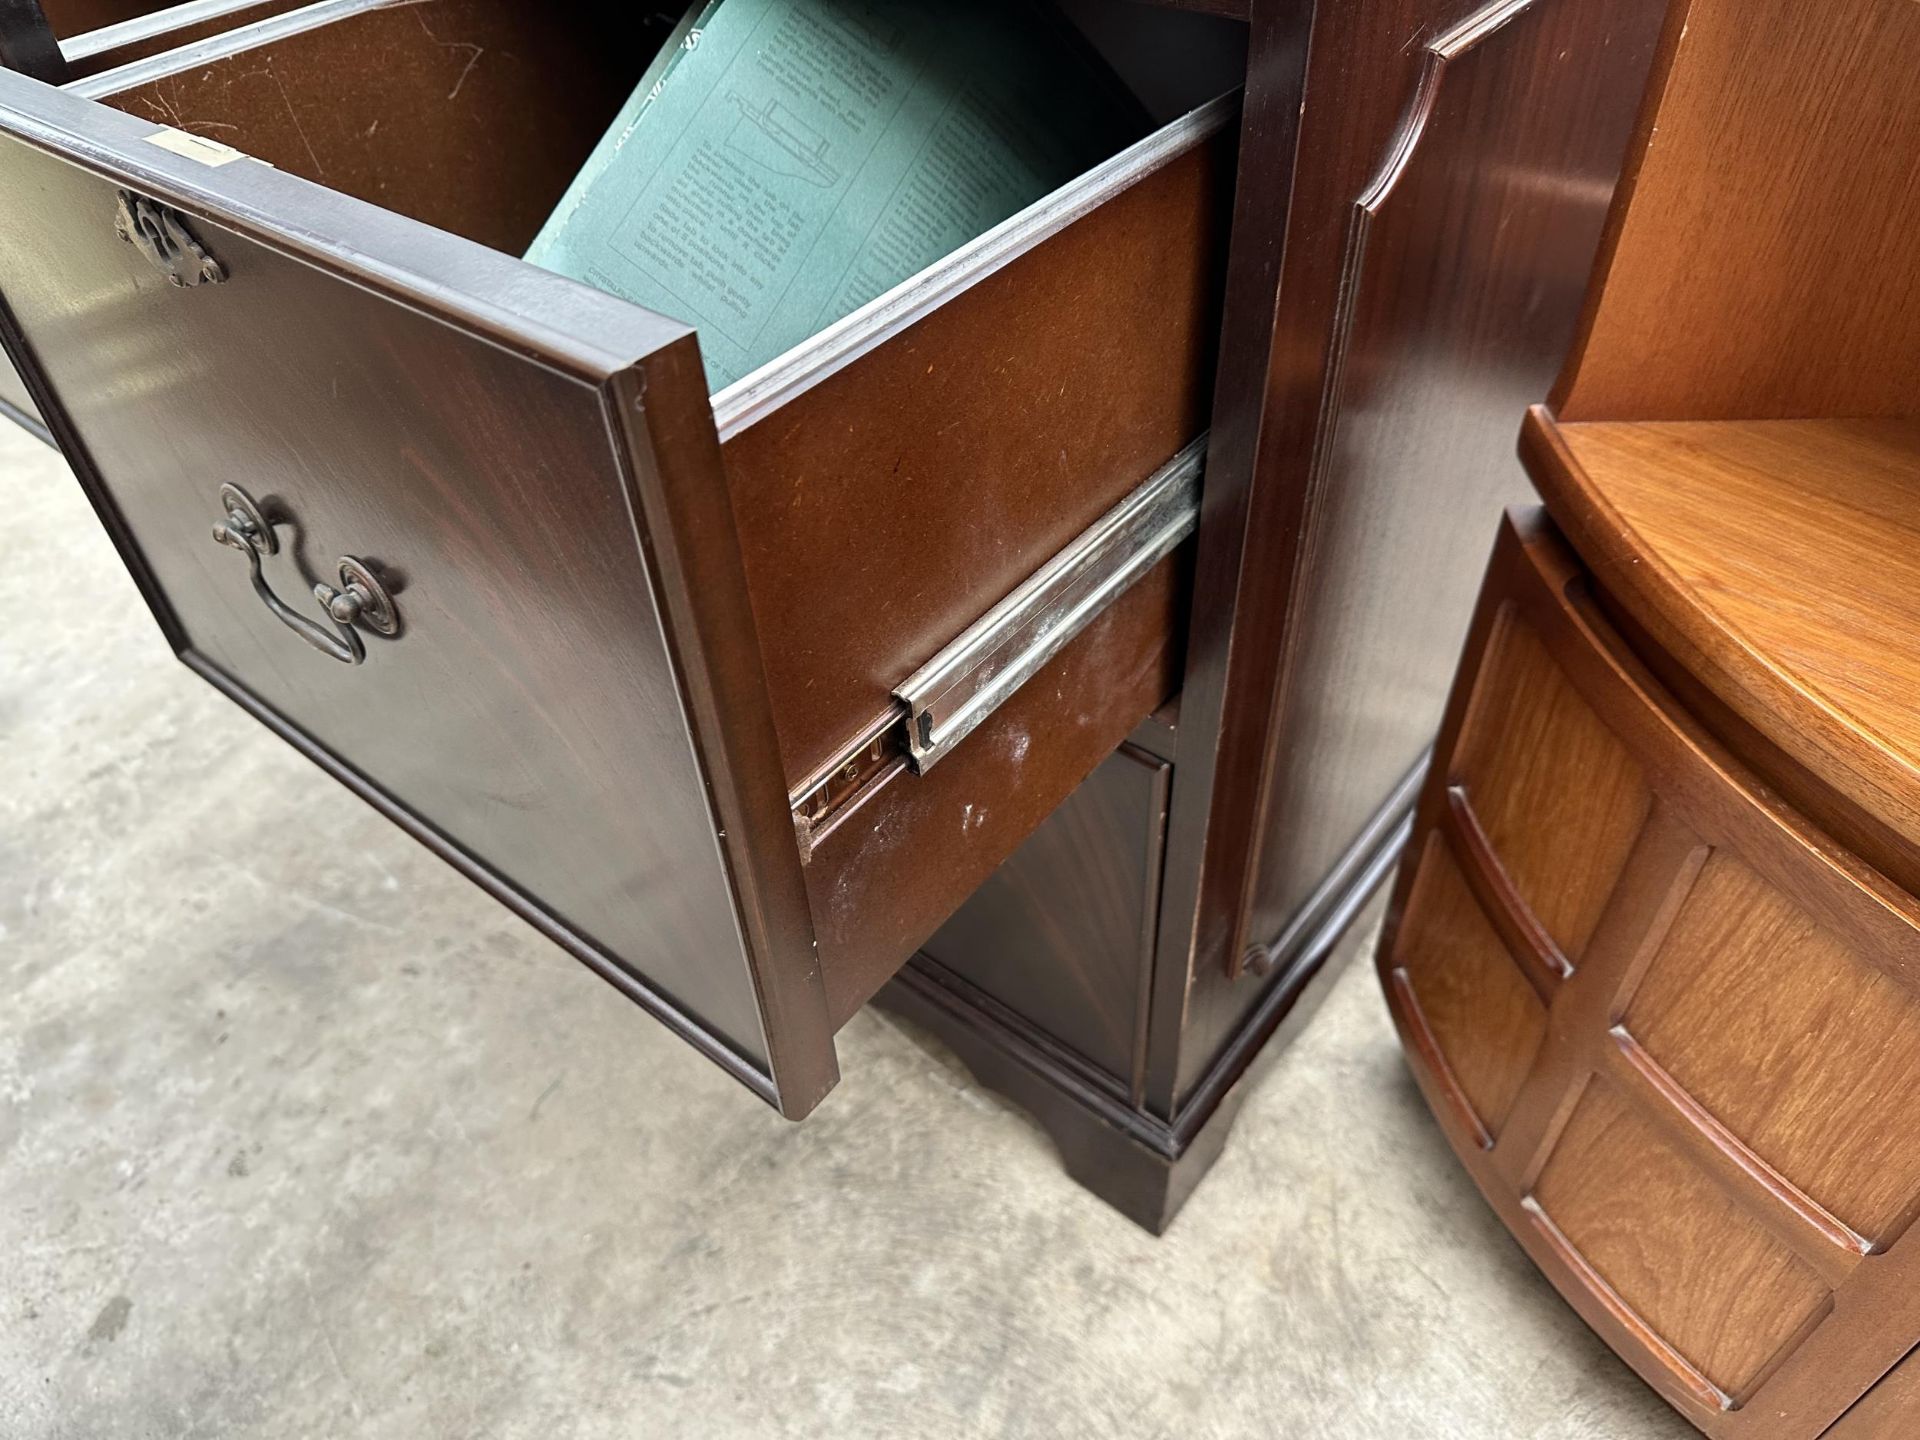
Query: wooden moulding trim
{"x": 1420, "y": 1035}
{"x": 1094, "y": 1090}
{"x": 1155, "y": 869}
{"x": 1826, "y": 1242}
{"x": 1031, "y": 1047}
{"x": 1526, "y": 939}
{"x": 655, "y": 1002}
{"x": 1682, "y": 1370}
{"x": 1332, "y": 892}
{"x": 1806, "y": 727}
{"x": 1301, "y": 967}
{"x": 1442, "y": 52}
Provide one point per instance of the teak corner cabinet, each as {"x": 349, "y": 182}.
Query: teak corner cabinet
{"x": 1655, "y": 956}
{"x": 754, "y": 702}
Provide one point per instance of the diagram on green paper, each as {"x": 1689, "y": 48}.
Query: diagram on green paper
{"x": 775, "y": 138}
{"x": 786, "y": 161}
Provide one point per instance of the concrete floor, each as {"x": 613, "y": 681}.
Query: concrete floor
{"x": 300, "y": 1135}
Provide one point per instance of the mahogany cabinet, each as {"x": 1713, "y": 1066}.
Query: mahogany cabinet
{"x": 748, "y": 699}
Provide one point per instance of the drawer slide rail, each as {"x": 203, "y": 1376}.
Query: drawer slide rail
{"x": 962, "y": 685}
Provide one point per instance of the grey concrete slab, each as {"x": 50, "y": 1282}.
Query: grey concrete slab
{"x": 302, "y": 1136}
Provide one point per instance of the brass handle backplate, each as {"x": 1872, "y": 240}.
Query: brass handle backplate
{"x": 361, "y": 598}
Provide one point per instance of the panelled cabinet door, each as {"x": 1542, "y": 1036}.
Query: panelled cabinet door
{"x": 1672, "y": 1030}
{"x": 531, "y": 643}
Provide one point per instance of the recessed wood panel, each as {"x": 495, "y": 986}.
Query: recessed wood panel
{"x": 1482, "y": 1013}
{"x": 1407, "y": 452}
{"x": 1698, "y": 1269}
{"x": 1793, "y": 1041}
{"x": 1060, "y": 933}
{"x": 1559, "y": 797}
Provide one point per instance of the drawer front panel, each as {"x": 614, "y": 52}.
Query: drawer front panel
{"x": 544, "y": 502}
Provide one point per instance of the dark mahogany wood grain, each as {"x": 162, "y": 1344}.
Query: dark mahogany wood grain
{"x": 885, "y": 507}
{"x": 470, "y": 115}
{"x": 76, "y": 17}
{"x": 397, "y": 393}
{"x": 1062, "y": 932}
{"x": 1432, "y": 282}
{"x": 574, "y": 704}
{"x": 913, "y": 849}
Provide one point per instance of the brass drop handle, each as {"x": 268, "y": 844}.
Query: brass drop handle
{"x": 360, "y": 599}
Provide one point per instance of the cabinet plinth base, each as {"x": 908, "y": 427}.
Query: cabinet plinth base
{"x": 1139, "y": 1163}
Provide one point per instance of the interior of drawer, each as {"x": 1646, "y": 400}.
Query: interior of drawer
{"x": 75, "y": 17}
{"x": 470, "y": 115}
{"x": 1068, "y": 364}
{"x": 475, "y": 115}
{"x": 99, "y": 35}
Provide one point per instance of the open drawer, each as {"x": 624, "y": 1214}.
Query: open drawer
{"x": 623, "y": 652}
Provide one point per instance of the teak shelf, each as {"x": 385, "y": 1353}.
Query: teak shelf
{"x": 1779, "y": 560}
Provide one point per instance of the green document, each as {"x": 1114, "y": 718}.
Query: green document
{"x": 786, "y": 161}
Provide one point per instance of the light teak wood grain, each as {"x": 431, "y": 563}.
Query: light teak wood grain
{"x": 1760, "y": 262}
{"x": 1558, "y": 796}
{"x": 1779, "y": 561}
{"x": 1704, "y": 1274}
{"x": 1707, "y": 1153}
{"x": 1795, "y": 1040}
{"x": 1484, "y": 1018}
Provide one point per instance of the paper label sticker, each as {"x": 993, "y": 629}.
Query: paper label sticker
{"x": 196, "y": 147}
